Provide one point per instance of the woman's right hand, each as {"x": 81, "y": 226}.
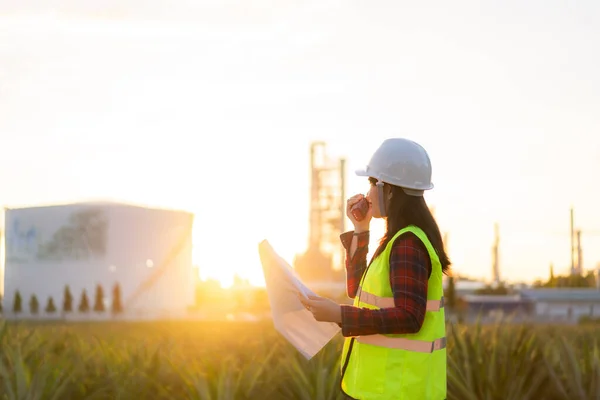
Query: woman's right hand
{"x": 363, "y": 224}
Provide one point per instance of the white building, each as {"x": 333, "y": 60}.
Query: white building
{"x": 564, "y": 304}
{"x": 148, "y": 252}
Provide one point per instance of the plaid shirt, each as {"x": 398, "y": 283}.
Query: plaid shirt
{"x": 410, "y": 268}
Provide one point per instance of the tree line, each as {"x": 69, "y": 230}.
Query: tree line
{"x": 116, "y": 306}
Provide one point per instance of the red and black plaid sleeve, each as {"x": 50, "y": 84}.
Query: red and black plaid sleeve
{"x": 355, "y": 266}
{"x": 410, "y": 268}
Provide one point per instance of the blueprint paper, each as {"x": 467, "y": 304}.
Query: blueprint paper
{"x": 290, "y": 318}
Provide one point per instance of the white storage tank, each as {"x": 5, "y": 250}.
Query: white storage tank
{"x": 148, "y": 252}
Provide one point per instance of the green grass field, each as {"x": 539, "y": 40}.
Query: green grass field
{"x": 200, "y": 360}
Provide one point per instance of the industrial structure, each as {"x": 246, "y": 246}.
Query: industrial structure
{"x": 324, "y": 256}
{"x": 576, "y": 254}
{"x": 496, "y": 256}
{"x": 575, "y": 261}
{"x": 577, "y": 247}
{"x": 147, "y": 252}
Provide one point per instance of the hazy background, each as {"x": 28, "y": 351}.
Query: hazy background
{"x": 210, "y": 106}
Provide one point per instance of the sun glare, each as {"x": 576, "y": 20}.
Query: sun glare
{"x": 224, "y": 260}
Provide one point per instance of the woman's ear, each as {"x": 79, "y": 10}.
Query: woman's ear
{"x": 388, "y": 191}
{"x": 388, "y": 196}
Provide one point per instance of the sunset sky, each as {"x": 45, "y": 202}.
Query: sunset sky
{"x": 210, "y": 106}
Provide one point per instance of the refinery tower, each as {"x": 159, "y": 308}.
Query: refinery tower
{"x": 324, "y": 256}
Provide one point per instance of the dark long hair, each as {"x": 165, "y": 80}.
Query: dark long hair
{"x": 404, "y": 210}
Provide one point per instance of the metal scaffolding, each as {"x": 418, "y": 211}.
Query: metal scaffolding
{"x": 324, "y": 257}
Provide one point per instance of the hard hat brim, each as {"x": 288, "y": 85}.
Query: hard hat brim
{"x": 415, "y": 191}
{"x": 361, "y": 172}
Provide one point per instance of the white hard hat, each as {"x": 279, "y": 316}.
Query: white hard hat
{"x": 401, "y": 162}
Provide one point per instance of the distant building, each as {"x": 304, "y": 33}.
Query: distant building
{"x": 498, "y": 305}
{"x": 146, "y": 251}
{"x": 564, "y": 304}
{"x": 464, "y": 287}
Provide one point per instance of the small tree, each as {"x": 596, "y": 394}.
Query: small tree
{"x": 116, "y": 306}
{"x": 84, "y": 304}
{"x": 34, "y": 305}
{"x": 450, "y": 295}
{"x": 67, "y": 300}
{"x": 17, "y": 306}
{"x": 50, "y": 307}
{"x": 99, "y": 300}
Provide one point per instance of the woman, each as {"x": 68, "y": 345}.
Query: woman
{"x": 395, "y": 335}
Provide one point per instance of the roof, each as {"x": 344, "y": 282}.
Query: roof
{"x": 465, "y": 285}
{"x": 102, "y": 203}
{"x": 493, "y": 298}
{"x": 562, "y": 294}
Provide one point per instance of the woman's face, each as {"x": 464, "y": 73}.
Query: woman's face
{"x": 373, "y": 197}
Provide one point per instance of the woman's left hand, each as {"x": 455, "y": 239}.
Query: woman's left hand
{"x": 323, "y": 309}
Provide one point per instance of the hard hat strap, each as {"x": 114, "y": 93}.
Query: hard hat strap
{"x": 380, "y": 195}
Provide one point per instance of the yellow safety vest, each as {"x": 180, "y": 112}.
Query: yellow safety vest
{"x": 407, "y": 366}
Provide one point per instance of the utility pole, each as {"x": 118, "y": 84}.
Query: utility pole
{"x": 572, "y": 244}
{"x": 579, "y": 269}
{"x": 495, "y": 255}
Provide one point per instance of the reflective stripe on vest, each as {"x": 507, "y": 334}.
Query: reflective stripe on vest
{"x": 388, "y": 302}
{"x": 419, "y": 346}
